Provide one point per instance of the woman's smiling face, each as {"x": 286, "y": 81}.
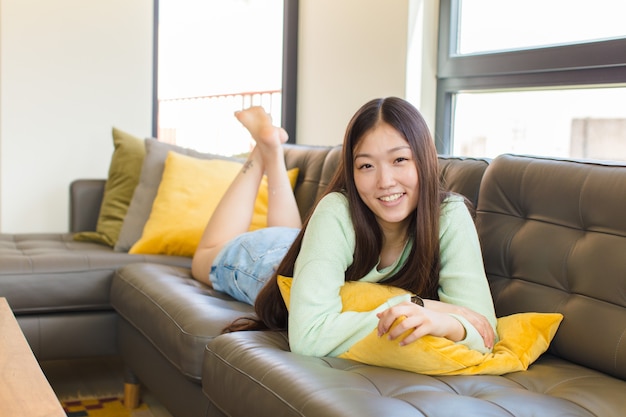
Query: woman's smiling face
{"x": 385, "y": 175}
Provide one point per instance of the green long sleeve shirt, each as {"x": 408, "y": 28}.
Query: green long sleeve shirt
{"x": 317, "y": 327}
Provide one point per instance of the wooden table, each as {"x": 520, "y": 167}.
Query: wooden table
{"x": 24, "y": 389}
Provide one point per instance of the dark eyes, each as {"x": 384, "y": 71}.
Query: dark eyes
{"x": 396, "y": 161}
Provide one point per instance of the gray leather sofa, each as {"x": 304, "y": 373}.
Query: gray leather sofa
{"x": 553, "y": 235}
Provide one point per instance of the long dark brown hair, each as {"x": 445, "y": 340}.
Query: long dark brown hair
{"x": 420, "y": 274}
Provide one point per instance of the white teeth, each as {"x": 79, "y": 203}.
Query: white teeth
{"x": 392, "y": 197}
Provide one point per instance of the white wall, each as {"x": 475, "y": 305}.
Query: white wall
{"x": 70, "y": 70}
{"x": 351, "y": 51}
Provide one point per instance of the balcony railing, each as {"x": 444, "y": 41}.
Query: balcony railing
{"x": 207, "y": 124}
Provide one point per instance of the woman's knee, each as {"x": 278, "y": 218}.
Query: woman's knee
{"x": 201, "y": 265}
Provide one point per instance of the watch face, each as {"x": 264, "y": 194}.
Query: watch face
{"x": 416, "y": 299}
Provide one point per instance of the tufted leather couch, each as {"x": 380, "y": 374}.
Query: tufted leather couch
{"x": 554, "y": 237}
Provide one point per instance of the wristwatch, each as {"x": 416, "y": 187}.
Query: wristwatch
{"x": 416, "y": 299}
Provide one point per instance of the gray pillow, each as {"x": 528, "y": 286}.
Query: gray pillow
{"x": 149, "y": 179}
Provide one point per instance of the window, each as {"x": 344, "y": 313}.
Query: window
{"x": 532, "y": 77}
{"x": 215, "y": 57}
{"x": 496, "y": 25}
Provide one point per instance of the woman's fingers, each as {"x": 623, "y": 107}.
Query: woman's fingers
{"x": 481, "y": 324}
{"x": 411, "y": 315}
{"x": 414, "y": 322}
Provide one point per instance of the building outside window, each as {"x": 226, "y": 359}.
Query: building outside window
{"x": 532, "y": 77}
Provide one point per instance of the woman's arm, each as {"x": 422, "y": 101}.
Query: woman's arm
{"x": 317, "y": 325}
{"x": 421, "y": 321}
{"x": 465, "y": 313}
{"x": 480, "y": 322}
{"x": 462, "y": 280}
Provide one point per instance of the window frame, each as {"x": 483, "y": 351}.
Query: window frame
{"x": 587, "y": 64}
{"x": 289, "y": 86}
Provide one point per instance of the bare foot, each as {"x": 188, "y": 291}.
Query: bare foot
{"x": 260, "y": 126}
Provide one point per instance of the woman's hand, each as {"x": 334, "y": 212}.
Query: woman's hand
{"x": 480, "y": 322}
{"x": 421, "y": 320}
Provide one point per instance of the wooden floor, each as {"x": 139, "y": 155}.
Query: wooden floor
{"x": 93, "y": 378}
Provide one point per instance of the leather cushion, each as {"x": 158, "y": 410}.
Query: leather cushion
{"x": 51, "y": 273}
{"x": 462, "y": 175}
{"x": 176, "y": 313}
{"x": 260, "y": 370}
{"x": 553, "y": 234}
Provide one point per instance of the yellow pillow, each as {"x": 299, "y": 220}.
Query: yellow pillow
{"x": 189, "y": 191}
{"x": 523, "y": 338}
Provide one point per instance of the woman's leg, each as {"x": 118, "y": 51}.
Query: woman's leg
{"x": 282, "y": 207}
{"x": 233, "y": 214}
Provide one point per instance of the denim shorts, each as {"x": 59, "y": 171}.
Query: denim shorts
{"x": 248, "y": 261}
